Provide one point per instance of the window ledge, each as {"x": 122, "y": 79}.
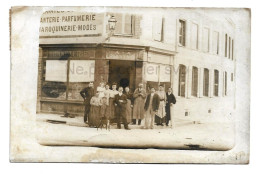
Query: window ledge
{"x": 61, "y": 101}
{"x": 125, "y": 35}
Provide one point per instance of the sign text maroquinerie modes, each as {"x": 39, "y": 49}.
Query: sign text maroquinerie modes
{"x": 70, "y": 23}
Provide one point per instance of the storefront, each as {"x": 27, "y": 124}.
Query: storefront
{"x": 71, "y": 56}
{"x": 64, "y": 70}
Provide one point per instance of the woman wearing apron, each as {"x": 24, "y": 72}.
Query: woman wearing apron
{"x": 129, "y": 105}
{"x": 161, "y": 111}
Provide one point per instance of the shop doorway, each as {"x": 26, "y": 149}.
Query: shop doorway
{"x": 123, "y": 73}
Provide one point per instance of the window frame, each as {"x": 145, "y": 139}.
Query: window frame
{"x": 217, "y": 43}
{"x": 226, "y": 45}
{"x": 203, "y": 39}
{"x": 197, "y": 38}
{"x": 205, "y": 93}
{"x": 183, "y": 36}
{"x": 182, "y": 69}
{"x": 195, "y": 83}
{"x": 123, "y": 25}
{"x": 224, "y": 83}
{"x": 216, "y": 85}
{"x": 162, "y": 30}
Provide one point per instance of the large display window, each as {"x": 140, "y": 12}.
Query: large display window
{"x": 64, "y": 79}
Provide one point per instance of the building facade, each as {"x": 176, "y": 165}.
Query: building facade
{"x": 185, "y": 49}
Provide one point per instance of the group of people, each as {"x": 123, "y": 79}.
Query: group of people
{"x": 122, "y": 106}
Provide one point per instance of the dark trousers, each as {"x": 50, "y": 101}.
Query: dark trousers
{"x": 121, "y": 116}
{"x": 134, "y": 121}
{"x": 168, "y": 114}
{"x": 86, "y": 113}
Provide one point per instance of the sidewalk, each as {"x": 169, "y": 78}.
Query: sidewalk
{"x": 59, "y": 131}
{"x": 78, "y": 121}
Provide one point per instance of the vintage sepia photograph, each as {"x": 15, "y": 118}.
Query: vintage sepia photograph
{"x": 143, "y": 80}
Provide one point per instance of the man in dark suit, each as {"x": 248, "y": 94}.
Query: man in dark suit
{"x": 120, "y": 104}
{"x": 151, "y": 108}
{"x": 87, "y": 93}
{"x": 170, "y": 100}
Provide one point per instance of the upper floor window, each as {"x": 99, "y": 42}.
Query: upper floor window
{"x": 206, "y": 83}
{"x": 194, "y": 36}
{"x": 224, "y": 83}
{"x": 232, "y": 49}
{"x": 226, "y": 45}
{"x": 182, "y": 33}
{"x": 158, "y": 24}
{"x": 195, "y": 78}
{"x": 215, "y": 43}
{"x": 205, "y": 42}
{"x": 182, "y": 80}
{"x": 124, "y": 24}
{"x": 229, "y": 47}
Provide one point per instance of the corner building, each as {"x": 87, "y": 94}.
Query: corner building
{"x": 188, "y": 50}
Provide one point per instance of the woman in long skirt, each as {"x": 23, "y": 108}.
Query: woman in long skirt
{"x": 107, "y": 96}
{"x": 161, "y": 111}
{"x": 113, "y": 92}
{"x": 94, "y": 118}
{"x": 129, "y": 105}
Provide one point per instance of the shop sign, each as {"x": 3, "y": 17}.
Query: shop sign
{"x": 70, "y": 24}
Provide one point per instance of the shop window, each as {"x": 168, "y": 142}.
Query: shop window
{"x": 216, "y": 82}
{"x": 56, "y": 70}
{"x": 165, "y": 73}
{"x": 182, "y": 80}
{"x": 182, "y": 32}
{"x": 74, "y": 90}
{"x": 150, "y": 84}
{"x": 124, "y": 24}
{"x": 158, "y": 26}
{"x": 205, "y": 42}
{"x": 157, "y": 74}
{"x": 151, "y": 72}
{"x": 54, "y": 79}
{"x": 206, "y": 83}
{"x": 194, "y": 36}
{"x": 195, "y": 77}
{"x": 62, "y": 83}
{"x": 80, "y": 72}
{"x": 215, "y": 47}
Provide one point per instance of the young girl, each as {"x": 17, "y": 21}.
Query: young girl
{"x": 101, "y": 89}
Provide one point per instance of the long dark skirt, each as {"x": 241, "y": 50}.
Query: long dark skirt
{"x": 111, "y": 110}
{"x": 129, "y": 111}
{"x": 94, "y": 117}
{"x": 159, "y": 120}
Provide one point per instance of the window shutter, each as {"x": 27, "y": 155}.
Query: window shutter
{"x": 128, "y": 24}
{"x": 205, "y": 39}
{"x": 118, "y": 29}
{"x": 215, "y": 42}
{"x": 194, "y": 39}
{"x": 157, "y": 29}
